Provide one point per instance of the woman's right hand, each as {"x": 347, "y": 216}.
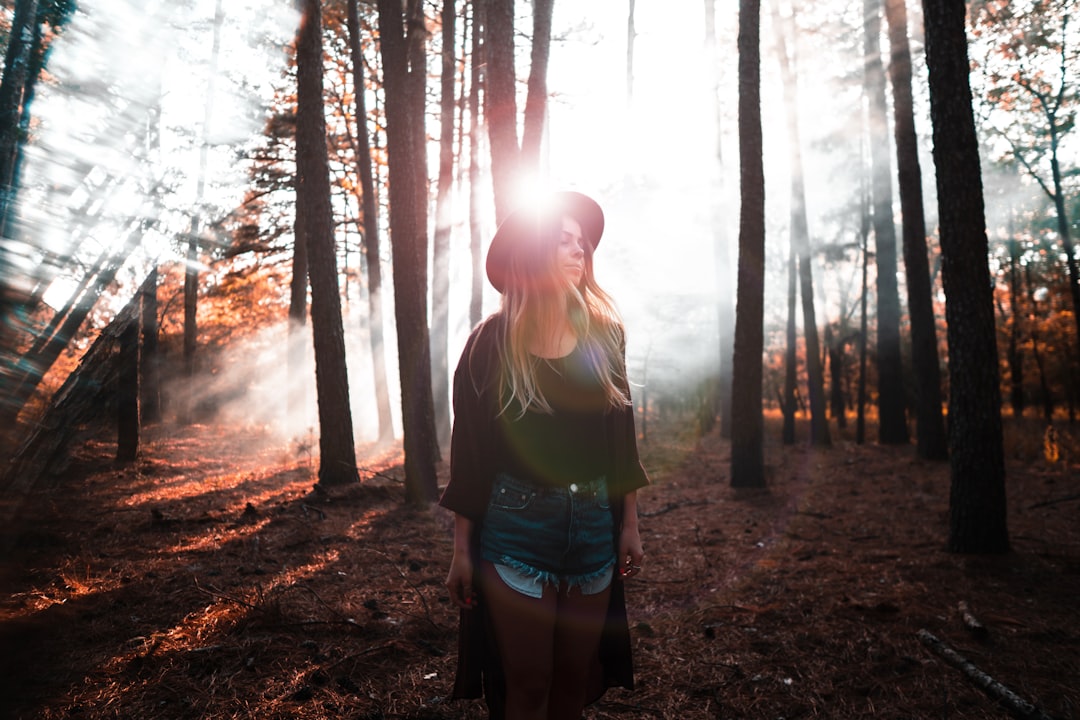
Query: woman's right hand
{"x": 460, "y": 579}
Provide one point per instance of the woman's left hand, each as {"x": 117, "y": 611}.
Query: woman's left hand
{"x": 630, "y": 551}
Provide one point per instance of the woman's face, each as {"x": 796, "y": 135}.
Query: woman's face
{"x": 570, "y": 254}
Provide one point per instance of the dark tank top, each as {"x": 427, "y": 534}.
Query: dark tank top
{"x": 568, "y": 446}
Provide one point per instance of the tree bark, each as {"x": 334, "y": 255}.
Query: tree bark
{"x": 536, "y": 99}
{"x": 931, "y": 442}
{"x": 747, "y": 446}
{"x": 440, "y": 269}
{"x": 1048, "y": 401}
{"x": 127, "y": 393}
{"x": 337, "y": 453}
{"x": 791, "y": 354}
{"x": 192, "y": 259}
{"x": 298, "y": 286}
{"x": 476, "y": 85}
{"x": 500, "y": 102}
{"x": 298, "y": 392}
{"x": 13, "y": 87}
{"x": 977, "y": 506}
{"x": 725, "y": 307}
{"x": 837, "y": 349}
{"x": 800, "y": 241}
{"x": 864, "y": 247}
{"x": 369, "y": 209}
{"x": 1015, "y": 353}
{"x": 21, "y": 68}
{"x": 297, "y": 400}
{"x": 150, "y": 359}
{"x": 408, "y": 234}
{"x": 892, "y": 424}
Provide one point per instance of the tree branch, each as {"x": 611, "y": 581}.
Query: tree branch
{"x": 1016, "y": 705}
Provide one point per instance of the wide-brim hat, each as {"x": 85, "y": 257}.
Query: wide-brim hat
{"x": 524, "y": 222}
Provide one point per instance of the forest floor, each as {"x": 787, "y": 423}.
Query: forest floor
{"x": 210, "y": 580}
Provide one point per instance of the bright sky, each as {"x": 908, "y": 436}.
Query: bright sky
{"x": 660, "y": 144}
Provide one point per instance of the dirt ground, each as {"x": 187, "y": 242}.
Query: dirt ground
{"x": 210, "y": 580}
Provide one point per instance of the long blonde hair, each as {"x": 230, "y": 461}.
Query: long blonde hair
{"x": 530, "y": 309}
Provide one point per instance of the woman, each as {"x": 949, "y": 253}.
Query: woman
{"x": 544, "y": 474}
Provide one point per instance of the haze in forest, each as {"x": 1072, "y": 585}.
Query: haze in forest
{"x": 648, "y": 152}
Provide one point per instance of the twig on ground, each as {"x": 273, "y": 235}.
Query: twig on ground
{"x": 1055, "y": 501}
{"x": 814, "y": 514}
{"x": 365, "y": 651}
{"x": 701, "y": 547}
{"x": 976, "y": 628}
{"x": 1016, "y": 705}
{"x": 205, "y": 649}
{"x": 673, "y": 506}
{"x": 423, "y": 600}
{"x": 379, "y": 474}
{"x": 214, "y": 593}
{"x": 341, "y": 617}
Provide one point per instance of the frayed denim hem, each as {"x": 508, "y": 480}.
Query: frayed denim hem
{"x": 538, "y": 578}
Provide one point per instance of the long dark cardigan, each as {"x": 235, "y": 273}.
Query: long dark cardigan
{"x": 473, "y": 466}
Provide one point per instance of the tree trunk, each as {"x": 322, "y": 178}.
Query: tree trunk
{"x": 536, "y": 100}
{"x": 298, "y": 363}
{"x": 440, "y": 268}
{"x": 1036, "y": 353}
{"x": 12, "y": 89}
{"x": 369, "y": 208}
{"x": 476, "y": 84}
{"x": 191, "y": 307}
{"x": 191, "y": 273}
{"x": 892, "y": 425}
{"x": 929, "y": 424}
{"x": 337, "y": 454}
{"x": 500, "y": 102}
{"x": 43, "y": 355}
{"x": 1015, "y": 353}
{"x": 791, "y": 355}
{"x": 864, "y": 246}
{"x": 977, "y": 507}
{"x": 747, "y": 448}
{"x": 1071, "y": 261}
{"x": 150, "y": 359}
{"x": 408, "y": 234}
{"x": 127, "y": 393}
{"x": 22, "y": 66}
{"x": 416, "y": 51}
{"x": 79, "y": 402}
{"x": 298, "y": 286}
{"x": 837, "y": 349}
{"x": 800, "y": 241}
{"x": 725, "y": 307}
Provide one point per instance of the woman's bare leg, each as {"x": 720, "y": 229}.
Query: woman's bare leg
{"x": 579, "y": 621}
{"x": 524, "y": 631}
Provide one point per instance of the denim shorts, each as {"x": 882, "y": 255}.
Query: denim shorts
{"x": 536, "y": 535}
